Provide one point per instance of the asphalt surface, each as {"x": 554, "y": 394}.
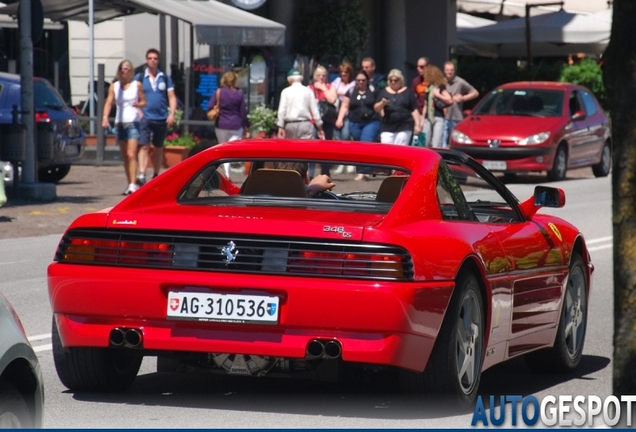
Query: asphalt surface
{"x": 89, "y": 188}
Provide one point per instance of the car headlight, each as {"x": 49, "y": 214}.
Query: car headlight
{"x": 535, "y": 139}
{"x": 461, "y": 138}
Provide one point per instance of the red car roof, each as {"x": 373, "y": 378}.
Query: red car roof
{"x": 551, "y": 85}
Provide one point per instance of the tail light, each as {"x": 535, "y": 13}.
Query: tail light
{"x": 347, "y": 264}
{"x": 42, "y": 117}
{"x": 117, "y": 252}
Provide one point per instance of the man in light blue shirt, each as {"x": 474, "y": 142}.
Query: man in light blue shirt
{"x": 158, "y": 115}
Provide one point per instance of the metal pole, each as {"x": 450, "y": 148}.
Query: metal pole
{"x": 56, "y": 74}
{"x": 186, "y": 107}
{"x": 26, "y": 93}
{"x": 528, "y": 36}
{"x": 162, "y": 43}
{"x": 99, "y": 156}
{"x": 91, "y": 64}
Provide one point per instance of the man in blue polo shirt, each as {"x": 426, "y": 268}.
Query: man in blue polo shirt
{"x": 161, "y": 104}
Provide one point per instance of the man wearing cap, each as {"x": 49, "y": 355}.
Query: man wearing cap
{"x": 298, "y": 110}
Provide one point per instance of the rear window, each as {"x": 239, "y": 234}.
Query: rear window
{"x": 46, "y": 97}
{"x": 270, "y": 183}
{"x": 522, "y": 102}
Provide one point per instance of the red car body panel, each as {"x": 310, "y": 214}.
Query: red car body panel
{"x": 377, "y": 322}
{"x": 584, "y": 138}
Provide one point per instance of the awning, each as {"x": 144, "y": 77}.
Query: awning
{"x": 77, "y": 10}
{"x": 216, "y": 23}
{"x": 518, "y": 7}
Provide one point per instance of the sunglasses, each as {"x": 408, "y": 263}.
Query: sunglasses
{"x": 394, "y": 80}
{"x": 361, "y": 80}
{"x": 152, "y": 58}
{"x": 124, "y": 68}
{"x": 421, "y": 66}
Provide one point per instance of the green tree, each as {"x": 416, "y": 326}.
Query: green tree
{"x": 334, "y": 28}
{"x": 620, "y": 84}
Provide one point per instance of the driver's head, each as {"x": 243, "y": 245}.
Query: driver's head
{"x": 300, "y": 167}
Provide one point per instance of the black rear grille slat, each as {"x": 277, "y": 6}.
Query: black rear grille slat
{"x": 256, "y": 255}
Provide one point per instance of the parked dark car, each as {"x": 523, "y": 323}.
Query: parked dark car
{"x": 69, "y": 138}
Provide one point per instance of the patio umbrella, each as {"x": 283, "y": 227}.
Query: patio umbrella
{"x": 553, "y": 34}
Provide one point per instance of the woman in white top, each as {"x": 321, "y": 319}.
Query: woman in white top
{"x": 129, "y": 98}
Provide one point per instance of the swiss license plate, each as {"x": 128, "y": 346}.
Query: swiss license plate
{"x": 237, "y": 308}
{"x": 495, "y": 165}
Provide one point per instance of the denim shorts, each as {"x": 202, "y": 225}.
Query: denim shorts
{"x": 126, "y": 131}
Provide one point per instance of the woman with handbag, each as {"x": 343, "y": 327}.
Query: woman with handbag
{"x": 227, "y": 105}
{"x": 437, "y": 98}
{"x": 326, "y": 96}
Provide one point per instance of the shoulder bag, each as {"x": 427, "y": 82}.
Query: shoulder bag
{"x": 328, "y": 111}
{"x": 213, "y": 113}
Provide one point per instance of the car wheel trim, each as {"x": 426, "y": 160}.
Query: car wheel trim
{"x": 561, "y": 163}
{"x": 468, "y": 342}
{"x": 606, "y": 158}
{"x": 574, "y": 313}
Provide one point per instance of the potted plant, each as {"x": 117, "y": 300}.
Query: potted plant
{"x": 177, "y": 147}
{"x": 263, "y": 121}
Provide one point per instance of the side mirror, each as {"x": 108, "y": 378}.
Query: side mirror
{"x": 579, "y": 115}
{"x": 545, "y": 196}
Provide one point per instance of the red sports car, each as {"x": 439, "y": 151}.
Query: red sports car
{"x": 537, "y": 126}
{"x": 431, "y": 266}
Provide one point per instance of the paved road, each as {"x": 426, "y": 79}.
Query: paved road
{"x": 204, "y": 400}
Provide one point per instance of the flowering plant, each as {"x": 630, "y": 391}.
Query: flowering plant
{"x": 262, "y": 119}
{"x": 187, "y": 140}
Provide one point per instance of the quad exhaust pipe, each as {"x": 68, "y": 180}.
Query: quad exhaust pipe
{"x": 327, "y": 349}
{"x": 126, "y": 337}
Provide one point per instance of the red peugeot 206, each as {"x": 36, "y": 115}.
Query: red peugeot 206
{"x": 523, "y": 127}
{"x": 432, "y": 268}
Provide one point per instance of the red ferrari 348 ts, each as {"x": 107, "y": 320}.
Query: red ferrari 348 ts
{"x": 432, "y": 268}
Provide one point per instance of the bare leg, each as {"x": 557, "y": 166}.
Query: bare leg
{"x": 129, "y": 155}
{"x": 142, "y": 157}
{"x": 157, "y": 159}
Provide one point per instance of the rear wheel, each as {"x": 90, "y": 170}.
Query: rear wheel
{"x": 560, "y": 165}
{"x": 14, "y": 411}
{"x": 567, "y": 351}
{"x": 453, "y": 371}
{"x": 94, "y": 369}
{"x": 53, "y": 174}
{"x": 602, "y": 169}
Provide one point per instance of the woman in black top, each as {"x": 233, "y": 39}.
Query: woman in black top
{"x": 398, "y": 107}
{"x": 364, "y": 122}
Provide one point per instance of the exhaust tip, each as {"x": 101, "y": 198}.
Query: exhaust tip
{"x": 333, "y": 350}
{"x": 133, "y": 337}
{"x": 116, "y": 337}
{"x": 315, "y": 348}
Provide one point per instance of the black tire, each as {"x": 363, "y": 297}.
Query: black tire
{"x": 443, "y": 380}
{"x": 94, "y": 369}
{"x": 560, "y": 165}
{"x": 14, "y": 411}
{"x": 602, "y": 169}
{"x": 567, "y": 351}
{"x": 53, "y": 174}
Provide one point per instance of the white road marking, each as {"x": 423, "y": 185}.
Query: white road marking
{"x": 39, "y": 337}
{"x": 41, "y": 348}
{"x": 596, "y": 248}
{"x": 599, "y": 240}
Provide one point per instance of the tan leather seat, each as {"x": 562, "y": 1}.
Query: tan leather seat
{"x": 390, "y": 189}
{"x": 275, "y": 182}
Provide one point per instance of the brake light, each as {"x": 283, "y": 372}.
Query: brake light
{"x": 42, "y": 117}
{"x": 122, "y": 252}
{"x": 346, "y": 264}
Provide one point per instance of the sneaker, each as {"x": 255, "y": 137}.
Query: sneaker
{"x": 351, "y": 169}
{"x": 155, "y": 175}
{"x": 131, "y": 188}
{"x": 339, "y": 169}
{"x": 141, "y": 179}
{"x": 361, "y": 177}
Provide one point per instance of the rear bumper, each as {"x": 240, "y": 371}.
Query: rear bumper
{"x": 66, "y": 151}
{"x": 376, "y": 322}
